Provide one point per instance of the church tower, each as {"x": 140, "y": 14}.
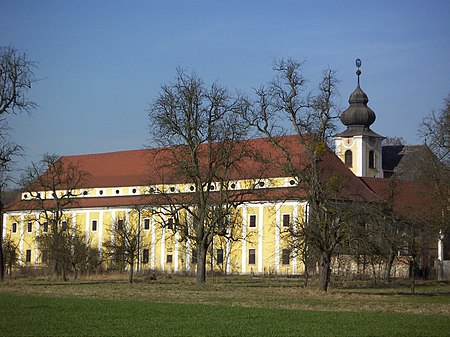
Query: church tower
{"x": 358, "y": 146}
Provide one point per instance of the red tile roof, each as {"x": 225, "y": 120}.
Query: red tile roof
{"x": 148, "y": 166}
{"x": 411, "y": 200}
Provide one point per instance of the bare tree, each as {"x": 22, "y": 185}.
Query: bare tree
{"x": 203, "y": 140}
{"x": 284, "y": 106}
{"x": 52, "y": 186}
{"x": 123, "y": 245}
{"x": 16, "y": 78}
{"x": 435, "y": 130}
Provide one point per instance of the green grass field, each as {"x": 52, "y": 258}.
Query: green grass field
{"x": 239, "y": 306}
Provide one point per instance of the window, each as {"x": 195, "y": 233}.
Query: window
{"x": 194, "y": 256}
{"x": 28, "y": 256}
{"x": 219, "y": 256}
{"x": 120, "y": 225}
{"x": 371, "y": 159}
{"x": 285, "y": 256}
{"x": 170, "y": 223}
{"x": 348, "y": 158}
{"x": 94, "y": 225}
{"x": 29, "y": 227}
{"x": 64, "y": 225}
{"x": 145, "y": 255}
{"x": 169, "y": 258}
{"x": 286, "y": 220}
{"x": 147, "y": 224}
{"x": 45, "y": 227}
{"x": 44, "y": 256}
{"x": 251, "y": 256}
{"x": 252, "y": 221}
{"x": 14, "y": 227}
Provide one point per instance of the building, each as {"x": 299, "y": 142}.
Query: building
{"x": 124, "y": 188}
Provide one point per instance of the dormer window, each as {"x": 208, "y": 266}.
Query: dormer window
{"x": 348, "y": 158}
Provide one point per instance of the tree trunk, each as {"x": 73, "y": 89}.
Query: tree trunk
{"x": 2, "y": 259}
{"x": 389, "y": 263}
{"x": 324, "y": 271}
{"x": 201, "y": 264}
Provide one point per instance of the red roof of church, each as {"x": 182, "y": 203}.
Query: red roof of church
{"x": 146, "y": 167}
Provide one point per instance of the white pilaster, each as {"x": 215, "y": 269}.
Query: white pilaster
{"x": 244, "y": 240}
{"x": 260, "y": 238}
{"x": 277, "y": 236}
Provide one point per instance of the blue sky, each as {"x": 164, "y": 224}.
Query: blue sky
{"x": 102, "y": 62}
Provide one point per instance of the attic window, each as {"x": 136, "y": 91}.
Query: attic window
{"x": 152, "y": 190}
{"x": 192, "y": 188}
{"x": 172, "y": 189}
{"x": 100, "y": 192}
{"x": 117, "y": 191}
{"x": 85, "y": 192}
{"x": 25, "y": 196}
{"x": 233, "y": 186}
{"x": 292, "y": 182}
{"x": 261, "y": 184}
{"x": 211, "y": 187}
{"x": 134, "y": 190}
{"x": 348, "y": 158}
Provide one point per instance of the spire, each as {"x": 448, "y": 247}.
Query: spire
{"x": 358, "y": 117}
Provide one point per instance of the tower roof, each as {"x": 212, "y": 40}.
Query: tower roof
{"x": 358, "y": 117}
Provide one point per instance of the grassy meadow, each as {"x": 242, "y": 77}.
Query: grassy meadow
{"x": 225, "y": 306}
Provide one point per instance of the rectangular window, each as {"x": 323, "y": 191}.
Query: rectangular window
{"x": 64, "y": 225}
{"x": 251, "y": 256}
{"x": 14, "y": 227}
{"x": 120, "y": 225}
{"x": 169, "y": 258}
{"x": 145, "y": 255}
{"x": 45, "y": 227}
{"x": 44, "y": 257}
{"x": 147, "y": 224}
{"x": 285, "y": 256}
{"x": 170, "y": 223}
{"x": 94, "y": 225}
{"x": 252, "y": 221}
{"x": 286, "y": 220}
{"x": 28, "y": 256}
{"x": 29, "y": 227}
{"x": 219, "y": 256}
{"x": 194, "y": 256}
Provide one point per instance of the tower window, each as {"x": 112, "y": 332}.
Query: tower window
{"x": 349, "y": 158}
{"x": 371, "y": 159}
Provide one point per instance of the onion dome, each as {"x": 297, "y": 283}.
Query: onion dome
{"x": 358, "y": 117}
{"x": 358, "y": 113}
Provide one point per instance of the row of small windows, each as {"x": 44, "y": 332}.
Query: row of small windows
{"x": 348, "y": 158}
{"x": 286, "y": 221}
{"x": 172, "y": 189}
{"x": 285, "y": 256}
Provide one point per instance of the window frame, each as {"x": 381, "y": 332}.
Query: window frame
{"x": 285, "y": 256}
{"x": 29, "y": 226}
{"x": 284, "y": 215}
{"x": 146, "y": 224}
{"x": 94, "y": 228}
{"x": 252, "y": 223}
{"x": 14, "y": 227}
{"x": 28, "y": 256}
{"x": 252, "y": 256}
{"x": 219, "y": 256}
{"x": 145, "y": 256}
{"x": 371, "y": 159}
{"x": 169, "y": 258}
{"x": 348, "y": 158}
